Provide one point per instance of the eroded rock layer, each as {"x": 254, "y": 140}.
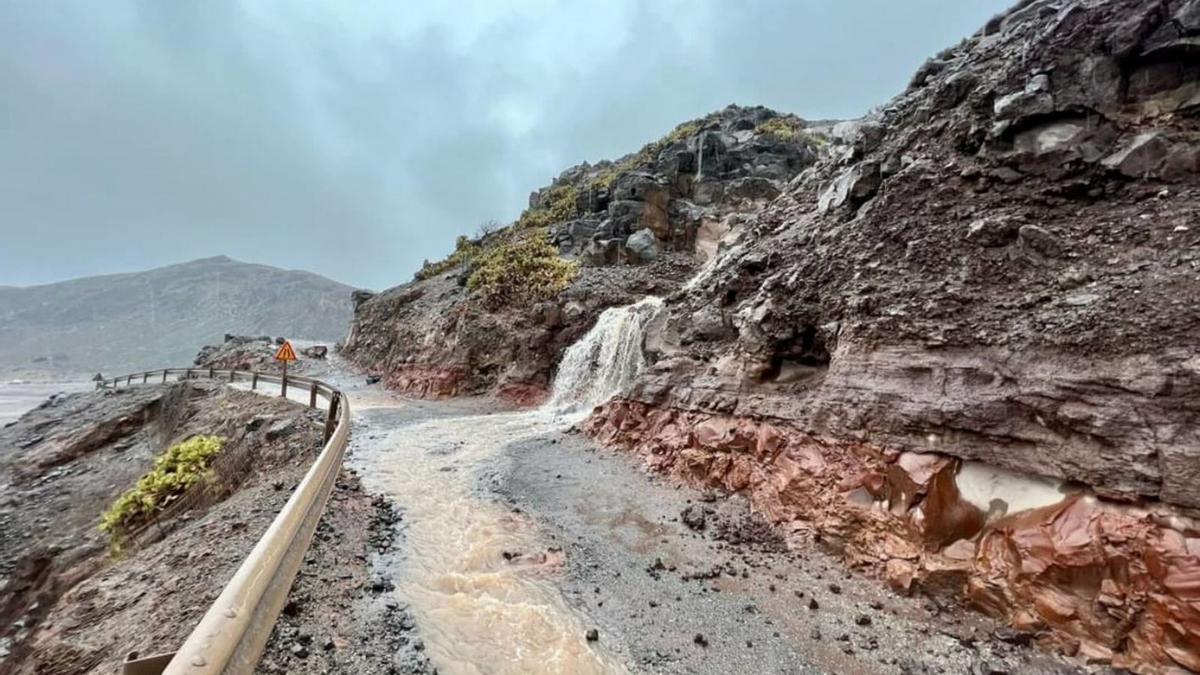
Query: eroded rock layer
{"x": 1105, "y": 581}
{"x": 998, "y": 267}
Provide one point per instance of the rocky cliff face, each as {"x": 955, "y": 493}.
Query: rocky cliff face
{"x": 963, "y": 350}
{"x": 634, "y": 227}
{"x": 959, "y": 346}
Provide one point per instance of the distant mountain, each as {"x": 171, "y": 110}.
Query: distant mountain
{"x": 161, "y": 317}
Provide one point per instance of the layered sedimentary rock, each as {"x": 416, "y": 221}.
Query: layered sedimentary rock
{"x": 998, "y": 267}
{"x": 1108, "y": 582}
{"x": 634, "y": 226}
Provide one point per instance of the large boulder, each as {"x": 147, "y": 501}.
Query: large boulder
{"x": 642, "y": 245}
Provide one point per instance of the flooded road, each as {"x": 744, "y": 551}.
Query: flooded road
{"x": 523, "y": 548}
{"x": 480, "y": 579}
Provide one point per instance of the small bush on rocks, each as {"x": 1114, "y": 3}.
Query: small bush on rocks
{"x": 526, "y": 268}
{"x": 647, "y": 155}
{"x": 176, "y": 470}
{"x": 787, "y": 129}
{"x": 561, "y": 203}
{"x": 465, "y": 250}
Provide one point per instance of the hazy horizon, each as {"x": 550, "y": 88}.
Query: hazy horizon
{"x": 356, "y": 141}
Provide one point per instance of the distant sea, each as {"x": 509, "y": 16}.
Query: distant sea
{"x": 18, "y": 398}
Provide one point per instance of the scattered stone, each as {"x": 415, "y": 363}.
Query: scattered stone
{"x": 700, "y": 640}
{"x": 1013, "y": 636}
{"x": 592, "y": 635}
{"x": 694, "y": 517}
{"x": 992, "y": 231}
{"x": 315, "y": 351}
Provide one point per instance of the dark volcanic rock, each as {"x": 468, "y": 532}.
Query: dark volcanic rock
{"x": 634, "y": 225}
{"x": 999, "y": 267}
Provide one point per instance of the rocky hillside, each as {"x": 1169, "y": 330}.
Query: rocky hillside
{"x": 963, "y": 351}
{"x": 498, "y": 312}
{"x": 161, "y": 317}
{"x": 954, "y": 341}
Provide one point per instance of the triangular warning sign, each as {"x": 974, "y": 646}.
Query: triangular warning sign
{"x": 285, "y": 353}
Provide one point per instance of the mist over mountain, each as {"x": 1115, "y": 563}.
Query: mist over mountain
{"x": 161, "y": 317}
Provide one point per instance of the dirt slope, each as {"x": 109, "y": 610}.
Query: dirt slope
{"x": 66, "y": 605}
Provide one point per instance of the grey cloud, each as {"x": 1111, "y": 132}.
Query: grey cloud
{"x": 354, "y": 142}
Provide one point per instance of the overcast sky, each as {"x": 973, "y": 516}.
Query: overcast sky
{"x": 355, "y": 139}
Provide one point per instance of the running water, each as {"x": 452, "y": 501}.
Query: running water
{"x": 604, "y": 362}
{"x": 478, "y": 609}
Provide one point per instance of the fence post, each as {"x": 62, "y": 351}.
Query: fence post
{"x": 211, "y": 370}
{"x": 254, "y": 381}
{"x": 312, "y": 394}
{"x": 164, "y": 375}
{"x": 145, "y": 377}
{"x": 232, "y": 373}
{"x": 331, "y": 420}
{"x": 129, "y": 380}
{"x": 189, "y": 374}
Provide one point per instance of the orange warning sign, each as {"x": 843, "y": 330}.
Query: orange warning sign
{"x": 285, "y": 353}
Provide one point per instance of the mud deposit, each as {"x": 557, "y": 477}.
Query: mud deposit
{"x": 678, "y": 581}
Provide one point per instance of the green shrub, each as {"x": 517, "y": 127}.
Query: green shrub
{"x": 561, "y": 203}
{"x": 788, "y": 129}
{"x": 465, "y": 251}
{"x": 679, "y": 133}
{"x": 526, "y": 268}
{"x": 174, "y": 471}
{"x": 647, "y": 155}
{"x": 605, "y": 178}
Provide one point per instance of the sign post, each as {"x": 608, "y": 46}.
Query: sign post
{"x": 284, "y": 355}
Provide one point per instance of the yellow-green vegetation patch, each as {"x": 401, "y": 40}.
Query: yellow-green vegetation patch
{"x": 465, "y": 251}
{"x": 646, "y": 155}
{"x": 175, "y": 470}
{"x": 606, "y": 177}
{"x": 560, "y": 203}
{"x": 680, "y": 132}
{"x": 526, "y": 268}
{"x": 788, "y": 129}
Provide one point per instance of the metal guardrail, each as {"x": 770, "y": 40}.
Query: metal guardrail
{"x": 232, "y": 634}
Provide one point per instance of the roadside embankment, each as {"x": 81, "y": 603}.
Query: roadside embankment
{"x": 70, "y": 603}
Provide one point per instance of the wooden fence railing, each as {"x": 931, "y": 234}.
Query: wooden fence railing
{"x": 232, "y": 634}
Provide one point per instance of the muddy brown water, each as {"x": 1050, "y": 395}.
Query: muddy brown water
{"x": 480, "y": 583}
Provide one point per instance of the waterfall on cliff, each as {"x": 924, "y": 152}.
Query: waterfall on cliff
{"x": 604, "y": 362}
